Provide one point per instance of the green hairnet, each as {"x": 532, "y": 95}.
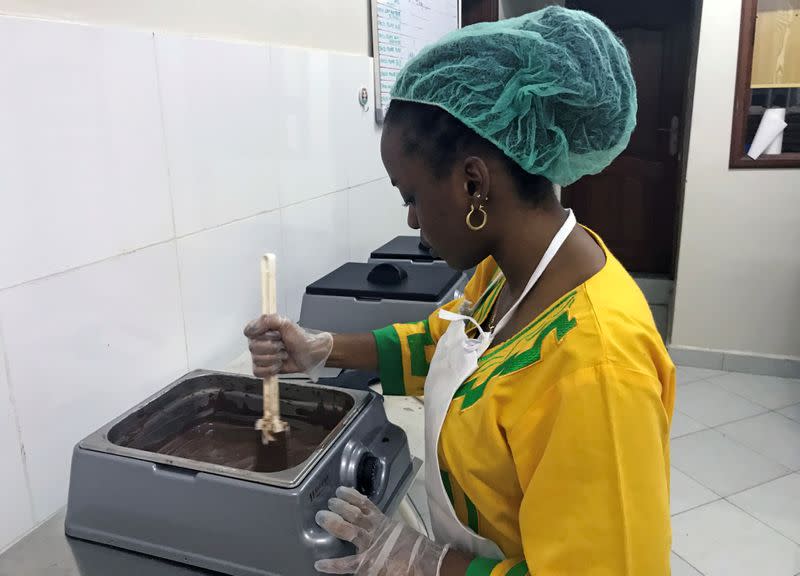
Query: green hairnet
{"x": 552, "y": 89}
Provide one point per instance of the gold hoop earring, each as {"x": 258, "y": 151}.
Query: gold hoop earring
{"x": 480, "y": 226}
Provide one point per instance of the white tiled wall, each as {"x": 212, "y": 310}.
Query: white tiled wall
{"x": 82, "y": 169}
{"x": 15, "y": 507}
{"x": 142, "y": 177}
{"x": 83, "y": 346}
{"x": 380, "y": 204}
{"x": 219, "y": 128}
{"x": 315, "y": 237}
{"x": 304, "y": 99}
{"x": 355, "y": 131}
{"x": 220, "y": 276}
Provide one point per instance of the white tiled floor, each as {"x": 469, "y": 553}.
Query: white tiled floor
{"x": 769, "y": 391}
{"x": 687, "y": 375}
{"x": 710, "y": 404}
{"x": 792, "y": 412}
{"x": 683, "y": 425}
{"x": 736, "y": 475}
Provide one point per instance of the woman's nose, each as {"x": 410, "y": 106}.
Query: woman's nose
{"x": 413, "y": 223}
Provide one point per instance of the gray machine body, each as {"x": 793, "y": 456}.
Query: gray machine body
{"x": 406, "y": 249}
{"x": 345, "y": 311}
{"x": 411, "y": 249}
{"x": 344, "y": 314}
{"x": 346, "y": 301}
{"x": 232, "y": 521}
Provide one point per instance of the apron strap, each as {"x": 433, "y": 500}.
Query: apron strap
{"x": 452, "y": 317}
{"x": 555, "y": 245}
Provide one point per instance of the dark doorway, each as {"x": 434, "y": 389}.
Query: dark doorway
{"x": 634, "y": 204}
{"x": 474, "y": 11}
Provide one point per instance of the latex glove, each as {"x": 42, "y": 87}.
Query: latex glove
{"x": 384, "y": 546}
{"x": 279, "y": 346}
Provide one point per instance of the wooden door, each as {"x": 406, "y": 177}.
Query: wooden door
{"x": 633, "y": 203}
{"x": 474, "y": 11}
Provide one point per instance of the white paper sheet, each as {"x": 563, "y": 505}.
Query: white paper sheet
{"x": 769, "y": 136}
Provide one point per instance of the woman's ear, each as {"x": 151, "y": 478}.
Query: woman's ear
{"x": 476, "y": 178}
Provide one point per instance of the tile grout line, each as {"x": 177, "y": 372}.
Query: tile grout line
{"x": 689, "y": 563}
{"x": 85, "y": 265}
{"x": 788, "y": 473}
{"x": 717, "y": 499}
{"x": 326, "y": 194}
{"x": 728, "y": 497}
{"x": 181, "y": 303}
{"x": 781, "y": 414}
{"x": 760, "y": 484}
{"x": 17, "y": 425}
{"x": 728, "y": 500}
{"x": 753, "y": 450}
{"x": 130, "y": 251}
{"x": 720, "y": 496}
{"x": 766, "y": 411}
{"x": 689, "y": 434}
{"x": 672, "y": 465}
{"x": 715, "y": 426}
{"x": 772, "y": 528}
{"x": 164, "y": 137}
{"x": 765, "y": 408}
{"x": 702, "y": 378}
{"x": 174, "y": 241}
{"x": 748, "y": 448}
{"x": 778, "y": 411}
{"x": 685, "y": 415}
{"x": 710, "y": 379}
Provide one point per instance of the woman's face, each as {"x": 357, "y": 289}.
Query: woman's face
{"x": 437, "y": 206}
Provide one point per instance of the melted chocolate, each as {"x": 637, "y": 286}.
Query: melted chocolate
{"x": 232, "y": 441}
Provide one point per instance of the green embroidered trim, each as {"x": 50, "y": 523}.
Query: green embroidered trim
{"x": 417, "y": 344}
{"x": 487, "y": 301}
{"x": 561, "y": 324}
{"x": 472, "y": 514}
{"x": 565, "y": 302}
{"x": 481, "y": 567}
{"x": 447, "y": 486}
{"x": 464, "y": 388}
{"x": 471, "y": 394}
{"x": 390, "y": 361}
{"x": 519, "y": 570}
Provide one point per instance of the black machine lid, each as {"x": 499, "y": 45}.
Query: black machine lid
{"x": 387, "y": 280}
{"x": 405, "y": 248}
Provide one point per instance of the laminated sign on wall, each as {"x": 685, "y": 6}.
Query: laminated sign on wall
{"x": 400, "y": 29}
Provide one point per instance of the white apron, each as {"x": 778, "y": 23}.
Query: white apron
{"x": 455, "y": 359}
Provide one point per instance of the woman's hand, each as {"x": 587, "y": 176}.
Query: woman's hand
{"x": 279, "y": 346}
{"x": 383, "y": 546}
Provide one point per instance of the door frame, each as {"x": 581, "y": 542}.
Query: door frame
{"x": 688, "y": 107}
{"x": 488, "y": 10}
{"x": 696, "y": 7}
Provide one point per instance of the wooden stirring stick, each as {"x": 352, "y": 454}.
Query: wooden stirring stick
{"x": 271, "y": 422}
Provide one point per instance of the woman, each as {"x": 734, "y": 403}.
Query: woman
{"x": 548, "y": 391}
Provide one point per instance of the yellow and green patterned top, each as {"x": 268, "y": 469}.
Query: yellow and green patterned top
{"x": 557, "y": 447}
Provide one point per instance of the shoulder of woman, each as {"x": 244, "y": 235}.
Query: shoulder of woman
{"x": 483, "y": 275}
